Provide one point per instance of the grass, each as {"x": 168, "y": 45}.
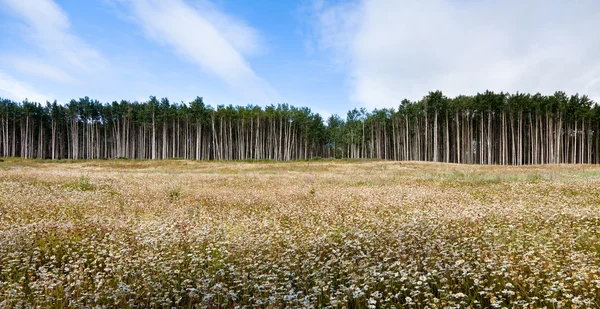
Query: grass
{"x": 83, "y": 184}
{"x": 174, "y": 193}
{"x": 321, "y": 233}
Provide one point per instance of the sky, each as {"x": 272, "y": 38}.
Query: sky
{"x": 330, "y": 56}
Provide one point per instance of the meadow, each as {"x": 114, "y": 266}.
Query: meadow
{"x": 307, "y": 234}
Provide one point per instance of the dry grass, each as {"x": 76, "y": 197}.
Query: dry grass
{"x": 374, "y": 234}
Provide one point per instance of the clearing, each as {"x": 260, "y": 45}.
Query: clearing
{"x": 345, "y": 234}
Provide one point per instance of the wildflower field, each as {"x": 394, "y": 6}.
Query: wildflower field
{"x": 320, "y": 234}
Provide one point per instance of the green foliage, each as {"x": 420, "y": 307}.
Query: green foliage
{"x": 174, "y": 193}
{"x": 83, "y": 184}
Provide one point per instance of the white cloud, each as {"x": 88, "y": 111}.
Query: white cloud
{"x": 55, "y": 53}
{"x": 395, "y": 49}
{"x": 40, "y": 68}
{"x": 208, "y": 38}
{"x": 49, "y": 29}
{"x": 245, "y": 39}
{"x": 16, "y": 90}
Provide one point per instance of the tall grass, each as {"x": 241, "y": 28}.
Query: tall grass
{"x": 353, "y": 234}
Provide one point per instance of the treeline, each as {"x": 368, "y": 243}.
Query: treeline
{"x": 487, "y": 128}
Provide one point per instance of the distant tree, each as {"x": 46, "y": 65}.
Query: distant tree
{"x": 486, "y": 128}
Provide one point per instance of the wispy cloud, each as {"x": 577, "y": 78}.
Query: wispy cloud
{"x": 56, "y": 53}
{"x": 13, "y": 89}
{"x": 395, "y": 49}
{"x": 243, "y": 38}
{"x": 40, "y": 68}
{"x": 48, "y": 29}
{"x": 211, "y": 39}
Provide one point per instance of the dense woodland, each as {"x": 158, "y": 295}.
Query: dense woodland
{"x": 487, "y": 128}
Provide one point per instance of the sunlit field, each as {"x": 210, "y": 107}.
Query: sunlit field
{"x": 320, "y": 234}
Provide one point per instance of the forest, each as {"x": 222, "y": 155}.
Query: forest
{"x": 486, "y": 128}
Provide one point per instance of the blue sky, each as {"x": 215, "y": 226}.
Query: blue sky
{"x": 328, "y": 55}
